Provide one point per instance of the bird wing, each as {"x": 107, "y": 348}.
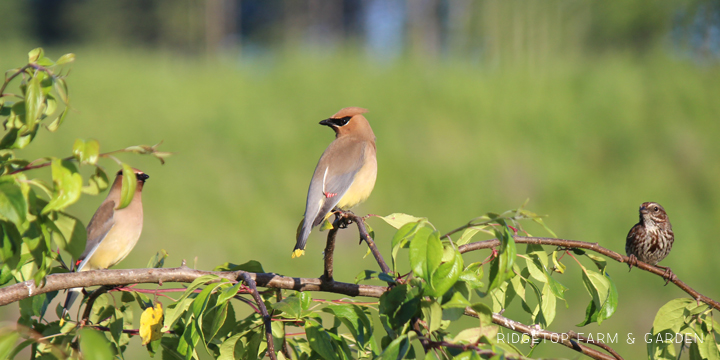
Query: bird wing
{"x": 98, "y": 228}
{"x": 630, "y": 240}
{"x": 336, "y": 177}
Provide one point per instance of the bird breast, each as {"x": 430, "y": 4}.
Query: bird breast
{"x": 362, "y": 186}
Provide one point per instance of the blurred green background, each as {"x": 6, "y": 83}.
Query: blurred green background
{"x": 586, "y": 108}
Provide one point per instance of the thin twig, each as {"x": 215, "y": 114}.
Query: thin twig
{"x": 9, "y": 79}
{"x": 266, "y": 317}
{"x": 558, "y": 338}
{"x": 487, "y": 244}
{"x": 369, "y": 240}
{"x": 91, "y": 300}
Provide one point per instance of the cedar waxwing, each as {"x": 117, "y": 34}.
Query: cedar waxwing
{"x": 345, "y": 175}
{"x": 111, "y": 233}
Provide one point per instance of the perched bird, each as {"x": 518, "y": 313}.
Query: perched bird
{"x": 345, "y": 175}
{"x": 651, "y": 239}
{"x": 111, "y": 233}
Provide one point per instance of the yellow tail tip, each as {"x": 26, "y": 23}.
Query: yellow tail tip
{"x": 298, "y": 253}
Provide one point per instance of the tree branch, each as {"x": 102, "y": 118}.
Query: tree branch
{"x": 183, "y": 274}
{"x": 369, "y": 240}
{"x": 558, "y": 338}
{"x": 487, "y": 244}
{"x": 263, "y": 311}
{"x": 330, "y": 249}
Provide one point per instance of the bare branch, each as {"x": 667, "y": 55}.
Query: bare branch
{"x": 487, "y": 244}
{"x": 330, "y": 249}
{"x": 365, "y": 235}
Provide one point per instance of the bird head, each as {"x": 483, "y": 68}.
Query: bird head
{"x": 349, "y": 121}
{"x": 653, "y": 212}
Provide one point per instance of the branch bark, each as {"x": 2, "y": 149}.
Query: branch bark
{"x": 245, "y": 276}
{"x": 565, "y": 339}
{"x": 488, "y": 244}
{"x": 183, "y": 274}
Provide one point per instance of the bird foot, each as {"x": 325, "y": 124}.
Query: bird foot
{"x": 668, "y": 275}
{"x": 632, "y": 261}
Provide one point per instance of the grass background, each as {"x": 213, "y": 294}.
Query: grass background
{"x": 587, "y": 139}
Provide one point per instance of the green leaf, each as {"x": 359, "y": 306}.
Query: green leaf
{"x": 484, "y": 314}
{"x": 536, "y": 261}
{"x": 671, "y": 316}
{"x": 365, "y": 275}
{"x": 94, "y": 345}
{"x": 402, "y": 236}
{"x": 559, "y": 267}
{"x": 13, "y": 206}
{"x": 425, "y": 253}
{"x": 10, "y": 245}
{"x": 320, "y": 341}
{"x": 67, "y": 185}
{"x": 231, "y": 348}
{"x": 467, "y": 235}
{"x": 545, "y": 310}
{"x": 397, "y": 349}
{"x": 86, "y": 152}
{"x": 34, "y": 100}
{"x": 290, "y": 306}
{"x": 69, "y": 234}
{"x": 599, "y": 261}
{"x": 228, "y": 293}
{"x": 201, "y": 301}
{"x": 250, "y": 266}
{"x": 175, "y": 310}
{"x": 432, "y": 314}
{"x": 398, "y": 220}
{"x": 158, "y": 260}
{"x": 446, "y": 275}
{"x": 604, "y": 296}
{"x": 356, "y": 320}
{"x": 7, "y": 342}
{"x": 217, "y": 317}
{"x": 35, "y": 54}
{"x": 129, "y": 184}
{"x": 97, "y": 182}
{"x": 67, "y": 58}
{"x": 55, "y": 124}
{"x": 501, "y": 267}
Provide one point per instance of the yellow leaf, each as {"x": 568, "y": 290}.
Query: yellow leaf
{"x": 151, "y": 321}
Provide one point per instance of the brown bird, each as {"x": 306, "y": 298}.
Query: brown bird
{"x": 651, "y": 239}
{"x": 111, "y": 233}
{"x": 346, "y": 173}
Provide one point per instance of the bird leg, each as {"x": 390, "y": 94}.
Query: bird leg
{"x": 632, "y": 261}
{"x": 668, "y": 275}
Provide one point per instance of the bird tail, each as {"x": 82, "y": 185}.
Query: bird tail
{"x": 303, "y": 231}
{"x": 69, "y": 300}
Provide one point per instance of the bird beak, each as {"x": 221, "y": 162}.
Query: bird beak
{"x": 142, "y": 177}
{"x": 326, "y": 122}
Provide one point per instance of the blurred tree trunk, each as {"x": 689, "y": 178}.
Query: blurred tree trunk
{"x": 424, "y": 29}
{"x": 220, "y": 23}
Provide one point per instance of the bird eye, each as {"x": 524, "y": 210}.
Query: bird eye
{"x": 345, "y": 120}
{"x": 656, "y": 208}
